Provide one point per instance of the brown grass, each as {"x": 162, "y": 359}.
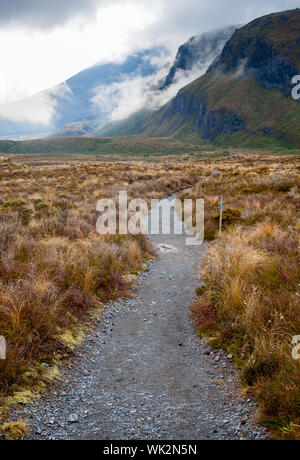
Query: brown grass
{"x": 54, "y": 267}
{"x": 14, "y": 431}
{"x": 250, "y": 305}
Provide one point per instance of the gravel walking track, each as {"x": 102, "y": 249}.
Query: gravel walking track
{"x": 143, "y": 373}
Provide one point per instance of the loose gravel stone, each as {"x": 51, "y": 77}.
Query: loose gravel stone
{"x": 73, "y": 418}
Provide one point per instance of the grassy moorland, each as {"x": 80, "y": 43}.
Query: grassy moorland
{"x": 54, "y": 267}
{"x": 250, "y": 304}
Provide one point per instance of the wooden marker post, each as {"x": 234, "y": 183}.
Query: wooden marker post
{"x": 2, "y": 347}
{"x": 221, "y": 215}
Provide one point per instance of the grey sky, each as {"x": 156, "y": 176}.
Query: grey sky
{"x": 175, "y": 14}
{"x": 44, "y": 13}
{"x": 190, "y": 17}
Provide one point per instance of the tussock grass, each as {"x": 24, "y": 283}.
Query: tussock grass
{"x": 251, "y": 301}
{"x": 13, "y": 431}
{"x": 54, "y": 266}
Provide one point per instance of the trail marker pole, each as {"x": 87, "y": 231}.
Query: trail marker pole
{"x": 2, "y": 347}
{"x": 221, "y": 215}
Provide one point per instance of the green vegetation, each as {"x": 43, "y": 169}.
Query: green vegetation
{"x": 132, "y": 125}
{"x": 127, "y": 146}
{"x": 263, "y": 111}
{"x": 13, "y": 431}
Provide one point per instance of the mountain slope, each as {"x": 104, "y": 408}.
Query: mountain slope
{"x": 245, "y": 96}
{"x": 89, "y": 99}
{"x": 192, "y": 60}
{"x": 130, "y": 126}
{"x": 199, "y": 52}
{"x": 85, "y": 85}
{"x": 74, "y": 107}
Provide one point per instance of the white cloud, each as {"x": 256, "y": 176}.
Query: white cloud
{"x": 123, "y": 98}
{"x": 32, "y": 61}
{"x": 39, "y": 109}
{"x": 134, "y": 93}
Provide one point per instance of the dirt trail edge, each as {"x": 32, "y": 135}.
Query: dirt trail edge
{"x": 144, "y": 373}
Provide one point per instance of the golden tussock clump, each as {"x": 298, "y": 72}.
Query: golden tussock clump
{"x": 251, "y": 301}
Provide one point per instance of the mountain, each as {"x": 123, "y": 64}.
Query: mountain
{"x": 129, "y": 126}
{"x": 198, "y": 53}
{"x": 192, "y": 60}
{"x": 75, "y": 107}
{"x": 127, "y": 91}
{"x": 244, "y": 99}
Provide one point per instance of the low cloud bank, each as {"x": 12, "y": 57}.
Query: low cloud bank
{"x": 39, "y": 109}
{"x": 133, "y": 93}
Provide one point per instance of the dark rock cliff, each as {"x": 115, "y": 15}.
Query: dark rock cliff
{"x": 209, "y": 123}
{"x": 247, "y": 89}
{"x": 266, "y": 49}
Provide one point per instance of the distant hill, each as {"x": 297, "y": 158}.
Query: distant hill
{"x": 130, "y": 145}
{"x": 244, "y": 99}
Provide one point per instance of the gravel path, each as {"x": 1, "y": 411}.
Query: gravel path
{"x": 143, "y": 373}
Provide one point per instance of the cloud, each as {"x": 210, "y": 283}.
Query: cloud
{"x": 122, "y": 98}
{"x": 133, "y": 93}
{"x": 241, "y": 69}
{"x": 39, "y": 109}
{"x": 173, "y": 16}
{"x": 33, "y": 60}
{"x": 45, "y": 13}
{"x": 195, "y": 16}
{"x": 45, "y": 42}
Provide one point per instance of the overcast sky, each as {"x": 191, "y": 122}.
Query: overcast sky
{"x": 43, "y": 42}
